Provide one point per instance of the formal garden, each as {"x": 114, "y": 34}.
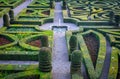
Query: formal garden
{"x": 92, "y": 50}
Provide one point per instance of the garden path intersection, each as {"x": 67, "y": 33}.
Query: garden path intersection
{"x": 60, "y": 62}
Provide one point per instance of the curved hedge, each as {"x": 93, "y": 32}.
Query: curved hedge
{"x": 47, "y": 20}
{"x": 93, "y": 73}
{"x": 12, "y": 5}
{"x": 23, "y": 42}
{"x": 22, "y": 74}
{"x": 113, "y": 70}
{"x": 19, "y": 75}
{"x": 71, "y": 20}
{"x": 10, "y": 37}
{"x": 4, "y": 11}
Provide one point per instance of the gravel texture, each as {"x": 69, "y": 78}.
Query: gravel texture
{"x": 60, "y": 63}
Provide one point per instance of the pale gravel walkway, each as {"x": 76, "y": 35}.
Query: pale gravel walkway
{"x": 60, "y": 63}
{"x": 18, "y": 62}
{"x": 48, "y": 26}
{"x": 17, "y": 10}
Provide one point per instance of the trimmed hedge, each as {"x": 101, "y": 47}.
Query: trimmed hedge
{"x": 18, "y": 2}
{"x": 93, "y": 73}
{"x": 76, "y": 60}
{"x": 27, "y": 22}
{"x": 19, "y": 55}
{"x": 95, "y": 23}
{"x": 10, "y": 37}
{"x": 4, "y": 11}
{"x": 68, "y": 34}
{"x": 6, "y": 21}
{"x": 39, "y": 4}
{"x": 23, "y": 42}
{"x": 73, "y": 43}
{"x": 11, "y": 15}
{"x": 47, "y": 20}
{"x": 45, "y": 58}
{"x": 71, "y": 20}
{"x": 20, "y": 75}
{"x": 14, "y": 68}
{"x": 114, "y": 64}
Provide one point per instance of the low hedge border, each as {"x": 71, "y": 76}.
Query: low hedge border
{"x": 45, "y": 5}
{"x": 4, "y": 11}
{"x": 27, "y": 22}
{"x": 42, "y": 75}
{"x": 113, "y": 70}
{"x": 68, "y": 34}
{"x": 76, "y": 76}
{"x": 10, "y": 67}
{"x": 94, "y": 73}
{"x": 13, "y": 39}
{"x": 71, "y": 20}
{"x": 23, "y": 42}
{"x": 109, "y": 32}
{"x": 95, "y": 23}
{"x": 19, "y": 55}
{"x": 13, "y": 5}
{"x": 46, "y": 20}
{"x": 2, "y": 29}
{"x": 36, "y": 28}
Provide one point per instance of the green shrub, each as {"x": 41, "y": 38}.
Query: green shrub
{"x": 76, "y": 60}
{"x": 3, "y": 11}
{"x": 111, "y": 16}
{"x": 6, "y": 20}
{"x": 93, "y": 73}
{"x": 45, "y": 59}
{"x": 117, "y": 19}
{"x": 113, "y": 70}
{"x": 11, "y": 15}
{"x": 44, "y": 40}
{"x": 73, "y": 43}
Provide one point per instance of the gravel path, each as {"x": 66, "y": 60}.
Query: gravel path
{"x": 19, "y": 62}
{"x": 60, "y": 63}
{"x": 17, "y": 10}
{"x": 58, "y": 17}
{"x": 106, "y": 62}
{"x": 48, "y": 26}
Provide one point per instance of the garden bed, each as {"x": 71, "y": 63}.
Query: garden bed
{"x": 4, "y": 40}
{"x": 93, "y": 45}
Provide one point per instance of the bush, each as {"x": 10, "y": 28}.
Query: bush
{"x": 11, "y": 14}
{"x": 44, "y": 40}
{"x": 6, "y": 20}
{"x": 76, "y": 60}
{"x": 111, "y": 16}
{"x": 117, "y": 19}
{"x": 45, "y": 59}
{"x": 73, "y": 43}
{"x": 113, "y": 70}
